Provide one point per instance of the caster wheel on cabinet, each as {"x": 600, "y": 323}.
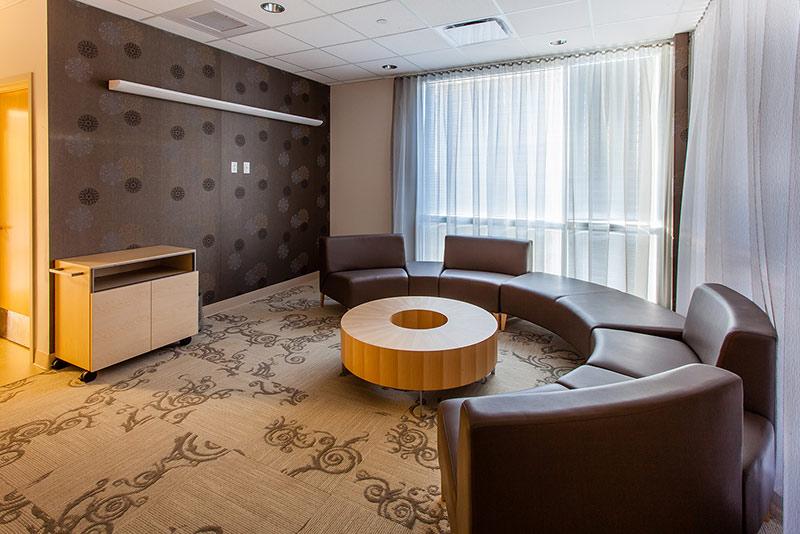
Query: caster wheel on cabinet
{"x": 58, "y": 364}
{"x": 88, "y": 376}
{"x": 185, "y": 341}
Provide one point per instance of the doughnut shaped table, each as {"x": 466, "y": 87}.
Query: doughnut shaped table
{"x": 419, "y": 343}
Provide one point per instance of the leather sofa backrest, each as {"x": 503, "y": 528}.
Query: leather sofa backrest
{"x": 506, "y": 256}
{"x": 660, "y": 454}
{"x": 354, "y": 252}
{"x": 728, "y": 330}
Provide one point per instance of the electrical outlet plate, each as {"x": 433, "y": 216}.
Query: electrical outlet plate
{"x": 246, "y": 167}
{"x": 234, "y": 167}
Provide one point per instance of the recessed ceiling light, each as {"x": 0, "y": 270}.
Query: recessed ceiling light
{"x": 382, "y": 21}
{"x": 272, "y": 7}
{"x": 389, "y": 66}
{"x": 558, "y": 42}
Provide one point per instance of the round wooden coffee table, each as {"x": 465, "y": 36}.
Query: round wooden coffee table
{"x": 419, "y": 343}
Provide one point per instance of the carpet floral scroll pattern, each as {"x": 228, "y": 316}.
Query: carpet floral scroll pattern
{"x": 329, "y": 454}
{"x": 262, "y": 382}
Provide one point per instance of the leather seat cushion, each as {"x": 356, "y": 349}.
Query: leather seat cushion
{"x": 587, "y": 376}
{"x": 423, "y": 277}
{"x": 480, "y": 288}
{"x": 547, "y": 388}
{"x": 352, "y": 288}
{"x": 617, "y": 310}
{"x": 638, "y": 355}
{"x": 533, "y": 297}
{"x": 758, "y": 469}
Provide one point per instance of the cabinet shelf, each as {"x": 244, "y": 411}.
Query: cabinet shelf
{"x": 110, "y": 281}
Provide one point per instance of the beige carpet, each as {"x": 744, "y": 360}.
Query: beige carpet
{"x": 249, "y": 429}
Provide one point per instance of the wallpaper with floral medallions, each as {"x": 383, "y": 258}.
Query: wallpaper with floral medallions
{"x": 129, "y": 171}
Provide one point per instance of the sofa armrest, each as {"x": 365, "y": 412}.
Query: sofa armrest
{"x": 658, "y": 454}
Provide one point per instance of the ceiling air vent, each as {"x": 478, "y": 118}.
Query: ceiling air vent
{"x": 214, "y": 18}
{"x": 476, "y": 31}
{"x": 218, "y": 21}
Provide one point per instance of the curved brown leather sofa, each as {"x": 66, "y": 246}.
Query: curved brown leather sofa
{"x": 668, "y": 427}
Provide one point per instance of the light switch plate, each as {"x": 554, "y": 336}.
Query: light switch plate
{"x": 234, "y": 167}
{"x": 246, "y": 167}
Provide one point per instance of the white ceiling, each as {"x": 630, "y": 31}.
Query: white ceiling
{"x": 338, "y": 41}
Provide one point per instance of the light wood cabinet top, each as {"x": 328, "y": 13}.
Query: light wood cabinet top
{"x": 125, "y": 257}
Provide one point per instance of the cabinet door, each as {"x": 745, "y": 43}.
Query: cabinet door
{"x": 120, "y": 324}
{"x": 174, "y": 308}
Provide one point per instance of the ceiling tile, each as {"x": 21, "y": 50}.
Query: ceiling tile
{"x": 397, "y": 19}
{"x": 549, "y": 19}
{"x": 312, "y": 59}
{"x": 439, "y": 59}
{"x": 296, "y": 10}
{"x": 414, "y": 42}
{"x": 509, "y": 6}
{"x": 539, "y": 45}
{"x": 317, "y": 77}
{"x": 634, "y": 31}
{"x": 270, "y": 42}
{"x": 323, "y": 31}
{"x": 687, "y": 21}
{"x": 280, "y": 64}
{"x": 403, "y": 66}
{"x": 334, "y": 6}
{"x": 346, "y": 73}
{"x": 234, "y": 48}
{"x": 610, "y": 11}
{"x": 179, "y": 29}
{"x": 360, "y": 51}
{"x": 695, "y": 5}
{"x": 440, "y": 12}
{"x": 494, "y": 51}
{"x": 160, "y": 6}
{"x": 119, "y": 8}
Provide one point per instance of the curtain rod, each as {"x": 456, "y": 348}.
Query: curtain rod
{"x": 541, "y": 59}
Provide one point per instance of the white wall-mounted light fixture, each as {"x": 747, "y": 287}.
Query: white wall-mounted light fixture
{"x": 133, "y": 88}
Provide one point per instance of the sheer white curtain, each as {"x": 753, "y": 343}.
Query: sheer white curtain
{"x": 573, "y": 154}
{"x": 740, "y": 223}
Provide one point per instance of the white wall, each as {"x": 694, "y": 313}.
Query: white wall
{"x": 361, "y": 157}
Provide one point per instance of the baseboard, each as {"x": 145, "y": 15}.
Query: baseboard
{"x": 42, "y": 359}
{"x": 238, "y": 300}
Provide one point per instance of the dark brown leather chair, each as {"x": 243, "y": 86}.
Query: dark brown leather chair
{"x": 359, "y": 268}
{"x": 476, "y": 267}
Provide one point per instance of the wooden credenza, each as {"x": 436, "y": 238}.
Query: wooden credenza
{"x": 114, "y": 306}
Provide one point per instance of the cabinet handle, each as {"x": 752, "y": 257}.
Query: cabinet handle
{"x": 62, "y": 272}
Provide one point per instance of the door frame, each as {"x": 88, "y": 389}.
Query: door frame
{"x": 9, "y": 85}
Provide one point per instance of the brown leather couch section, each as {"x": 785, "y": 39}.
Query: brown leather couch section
{"x": 423, "y": 278}
{"x": 659, "y": 455}
{"x": 357, "y": 269}
{"x": 617, "y": 310}
{"x": 532, "y": 296}
{"x": 476, "y": 267}
{"x": 725, "y": 328}
{"x": 642, "y": 438}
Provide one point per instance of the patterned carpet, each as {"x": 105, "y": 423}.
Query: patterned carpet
{"x": 250, "y": 428}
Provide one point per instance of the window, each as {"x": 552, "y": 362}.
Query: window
{"x": 573, "y": 154}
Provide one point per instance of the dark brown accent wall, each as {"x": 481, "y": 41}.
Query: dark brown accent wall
{"x": 128, "y": 171}
{"x": 680, "y": 143}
